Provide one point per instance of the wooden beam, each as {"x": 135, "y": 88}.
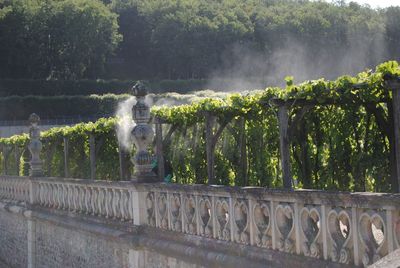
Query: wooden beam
{"x": 92, "y": 152}
{"x": 394, "y": 85}
{"x": 6, "y": 153}
{"x": 17, "y": 155}
{"x": 297, "y": 119}
{"x": 284, "y": 143}
{"x": 49, "y": 156}
{"x": 209, "y": 148}
{"x": 159, "y": 151}
{"x": 305, "y": 102}
{"x": 243, "y": 150}
{"x": 66, "y": 156}
{"x": 211, "y": 142}
{"x": 167, "y": 137}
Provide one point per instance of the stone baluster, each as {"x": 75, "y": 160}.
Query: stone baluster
{"x": 93, "y": 199}
{"x": 100, "y": 202}
{"x": 70, "y": 197}
{"x": 150, "y": 209}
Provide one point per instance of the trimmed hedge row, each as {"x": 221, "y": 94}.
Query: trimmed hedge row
{"x": 19, "y": 108}
{"x": 25, "y": 87}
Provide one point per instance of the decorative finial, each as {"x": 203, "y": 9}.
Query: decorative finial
{"x": 139, "y": 89}
{"x": 142, "y": 135}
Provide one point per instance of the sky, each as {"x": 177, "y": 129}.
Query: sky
{"x": 378, "y": 3}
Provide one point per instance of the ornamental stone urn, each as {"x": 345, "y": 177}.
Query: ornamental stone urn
{"x": 142, "y": 136}
{"x": 35, "y": 147}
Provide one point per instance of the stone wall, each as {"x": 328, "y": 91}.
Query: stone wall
{"x": 13, "y": 238}
{"x": 43, "y": 239}
{"x": 58, "y": 246}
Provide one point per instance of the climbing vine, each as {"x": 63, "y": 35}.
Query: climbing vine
{"x": 341, "y": 137}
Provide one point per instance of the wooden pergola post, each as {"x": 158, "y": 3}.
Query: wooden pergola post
{"x": 159, "y": 150}
{"x": 209, "y": 149}
{"x": 243, "y": 150}
{"x": 66, "y": 156}
{"x": 17, "y": 155}
{"x": 124, "y": 163}
{"x": 394, "y": 85}
{"x": 92, "y": 152}
{"x": 211, "y": 142}
{"x": 284, "y": 143}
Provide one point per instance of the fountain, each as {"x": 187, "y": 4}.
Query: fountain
{"x": 142, "y": 136}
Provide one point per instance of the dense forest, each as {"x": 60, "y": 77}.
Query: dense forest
{"x": 182, "y": 39}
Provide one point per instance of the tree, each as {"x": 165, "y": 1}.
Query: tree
{"x": 57, "y": 39}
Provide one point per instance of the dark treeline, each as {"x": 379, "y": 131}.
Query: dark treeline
{"x": 191, "y": 39}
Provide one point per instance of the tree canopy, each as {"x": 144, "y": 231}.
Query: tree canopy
{"x": 181, "y": 39}
{"x": 56, "y": 39}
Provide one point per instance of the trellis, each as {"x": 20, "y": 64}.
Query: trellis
{"x": 214, "y": 126}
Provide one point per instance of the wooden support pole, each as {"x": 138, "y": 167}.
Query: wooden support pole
{"x": 395, "y": 87}
{"x": 26, "y": 157}
{"x": 6, "y": 154}
{"x": 209, "y": 148}
{"x": 211, "y": 142}
{"x": 66, "y": 156}
{"x": 122, "y": 174}
{"x": 124, "y": 163}
{"x": 284, "y": 144}
{"x": 159, "y": 151}
{"x": 243, "y": 151}
{"x": 92, "y": 151}
{"x": 49, "y": 156}
{"x": 17, "y": 156}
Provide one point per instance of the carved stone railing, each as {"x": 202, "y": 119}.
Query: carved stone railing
{"x": 357, "y": 228}
{"x": 96, "y": 198}
{"x": 14, "y": 188}
{"x": 348, "y": 228}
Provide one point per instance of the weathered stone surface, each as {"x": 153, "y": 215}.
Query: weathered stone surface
{"x": 62, "y": 247}
{"x": 3, "y": 264}
{"x": 212, "y": 226}
{"x": 390, "y": 261}
{"x": 13, "y": 239}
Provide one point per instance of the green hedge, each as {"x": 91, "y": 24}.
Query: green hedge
{"x": 24, "y": 87}
{"x": 19, "y": 108}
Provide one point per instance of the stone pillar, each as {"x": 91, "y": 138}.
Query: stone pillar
{"x": 35, "y": 146}
{"x": 142, "y": 136}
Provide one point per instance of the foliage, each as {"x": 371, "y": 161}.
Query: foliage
{"x": 19, "y": 108}
{"x": 24, "y": 87}
{"x": 341, "y": 142}
{"x": 66, "y": 39}
{"x": 191, "y": 39}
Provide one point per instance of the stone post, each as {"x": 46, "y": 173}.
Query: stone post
{"x": 35, "y": 146}
{"x": 142, "y": 136}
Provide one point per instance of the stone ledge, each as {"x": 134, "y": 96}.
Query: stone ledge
{"x": 124, "y": 232}
{"x": 390, "y": 261}
{"x": 220, "y": 253}
{"x": 12, "y": 206}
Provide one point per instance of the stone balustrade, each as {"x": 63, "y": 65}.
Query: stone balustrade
{"x": 96, "y": 198}
{"x": 348, "y": 228}
{"x": 14, "y": 188}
